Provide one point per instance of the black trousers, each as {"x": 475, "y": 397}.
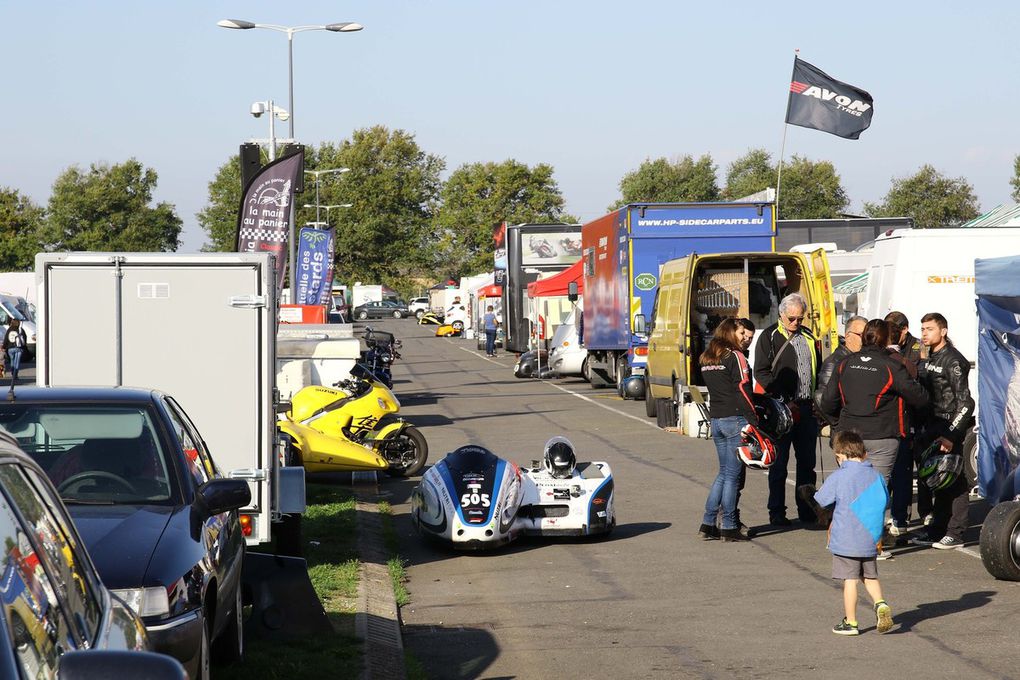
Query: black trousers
{"x": 803, "y": 437}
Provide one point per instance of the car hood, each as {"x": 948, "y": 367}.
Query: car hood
{"x": 121, "y": 539}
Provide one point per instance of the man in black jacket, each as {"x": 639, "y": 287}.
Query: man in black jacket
{"x": 786, "y": 362}
{"x": 851, "y": 345}
{"x": 908, "y": 349}
{"x": 944, "y": 374}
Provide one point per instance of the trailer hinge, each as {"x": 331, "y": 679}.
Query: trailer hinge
{"x": 248, "y": 301}
{"x": 248, "y": 474}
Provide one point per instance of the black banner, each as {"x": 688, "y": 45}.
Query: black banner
{"x": 820, "y": 102}
{"x": 263, "y": 222}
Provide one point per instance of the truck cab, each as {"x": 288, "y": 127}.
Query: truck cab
{"x": 697, "y": 292}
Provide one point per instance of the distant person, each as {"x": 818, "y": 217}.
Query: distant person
{"x": 944, "y": 374}
{"x": 728, "y": 377}
{"x": 15, "y": 342}
{"x": 858, "y": 497}
{"x": 491, "y": 326}
{"x": 786, "y": 361}
{"x": 907, "y": 349}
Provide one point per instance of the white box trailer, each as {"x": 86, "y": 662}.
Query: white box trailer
{"x": 201, "y": 327}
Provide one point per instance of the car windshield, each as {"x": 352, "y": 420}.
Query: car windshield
{"x": 11, "y": 307}
{"x": 103, "y": 454}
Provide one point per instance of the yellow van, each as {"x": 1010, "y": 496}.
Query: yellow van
{"x": 699, "y": 291}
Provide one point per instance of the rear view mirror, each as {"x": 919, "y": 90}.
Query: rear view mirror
{"x": 640, "y": 326}
{"x": 224, "y": 495}
{"x": 572, "y": 291}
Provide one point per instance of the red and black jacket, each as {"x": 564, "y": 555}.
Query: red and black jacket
{"x": 729, "y": 388}
{"x": 868, "y": 392}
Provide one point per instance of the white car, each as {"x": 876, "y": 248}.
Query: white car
{"x": 418, "y": 306}
{"x": 567, "y": 356}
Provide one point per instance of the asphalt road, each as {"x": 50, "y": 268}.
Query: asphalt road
{"x": 653, "y": 600}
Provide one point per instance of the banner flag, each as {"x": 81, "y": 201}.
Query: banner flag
{"x": 820, "y": 102}
{"x": 314, "y": 266}
{"x": 263, "y": 222}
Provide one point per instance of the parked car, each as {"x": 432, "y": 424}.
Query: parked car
{"x": 567, "y": 356}
{"x": 418, "y": 306}
{"x": 380, "y": 309}
{"x": 156, "y": 515}
{"x": 58, "y": 617}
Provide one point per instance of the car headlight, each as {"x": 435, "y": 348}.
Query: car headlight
{"x": 145, "y": 601}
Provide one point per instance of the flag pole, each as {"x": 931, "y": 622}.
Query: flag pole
{"x": 786, "y": 126}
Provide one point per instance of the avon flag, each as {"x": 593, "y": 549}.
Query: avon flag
{"x": 821, "y": 102}
{"x": 263, "y": 223}
{"x": 314, "y": 266}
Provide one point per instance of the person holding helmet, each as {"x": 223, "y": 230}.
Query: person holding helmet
{"x": 944, "y": 374}
{"x": 728, "y": 377}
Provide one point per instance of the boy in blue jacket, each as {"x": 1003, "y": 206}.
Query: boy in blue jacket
{"x": 859, "y": 495}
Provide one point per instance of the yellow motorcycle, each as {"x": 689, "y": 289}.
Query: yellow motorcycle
{"x": 353, "y": 427}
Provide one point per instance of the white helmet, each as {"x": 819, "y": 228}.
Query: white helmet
{"x": 559, "y": 459}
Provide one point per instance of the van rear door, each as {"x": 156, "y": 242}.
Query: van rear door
{"x": 823, "y": 303}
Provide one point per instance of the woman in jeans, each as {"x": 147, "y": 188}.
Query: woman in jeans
{"x": 728, "y": 377}
{"x": 13, "y": 347}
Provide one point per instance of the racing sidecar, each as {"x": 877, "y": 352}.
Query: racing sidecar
{"x": 475, "y": 500}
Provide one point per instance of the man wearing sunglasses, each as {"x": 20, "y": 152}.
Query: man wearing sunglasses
{"x": 786, "y": 361}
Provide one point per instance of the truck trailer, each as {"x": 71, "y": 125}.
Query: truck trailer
{"x": 623, "y": 253}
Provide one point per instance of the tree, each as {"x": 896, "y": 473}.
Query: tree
{"x": 931, "y": 198}
{"x": 20, "y": 222}
{"x": 219, "y": 217}
{"x": 1015, "y": 182}
{"x": 662, "y": 181}
{"x": 107, "y": 208}
{"x": 749, "y": 174}
{"x": 478, "y": 196}
{"x": 811, "y": 190}
{"x": 387, "y": 235}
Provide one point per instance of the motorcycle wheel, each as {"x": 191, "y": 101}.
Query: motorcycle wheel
{"x": 407, "y": 454}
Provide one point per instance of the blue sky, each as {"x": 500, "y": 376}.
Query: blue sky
{"x": 590, "y": 87}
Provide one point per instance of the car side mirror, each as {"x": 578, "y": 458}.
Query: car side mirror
{"x": 572, "y": 291}
{"x": 640, "y": 326}
{"x": 223, "y": 495}
{"x": 99, "y": 664}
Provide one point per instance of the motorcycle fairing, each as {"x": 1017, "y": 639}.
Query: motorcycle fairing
{"x": 322, "y": 453}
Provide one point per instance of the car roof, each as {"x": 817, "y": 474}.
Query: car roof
{"x": 139, "y": 395}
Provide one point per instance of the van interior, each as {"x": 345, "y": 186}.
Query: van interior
{"x": 750, "y": 288}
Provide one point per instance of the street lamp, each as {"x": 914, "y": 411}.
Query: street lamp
{"x": 317, "y": 174}
{"x": 327, "y": 209}
{"x": 257, "y": 109}
{"x": 239, "y": 24}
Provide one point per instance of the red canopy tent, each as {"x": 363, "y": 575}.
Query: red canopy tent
{"x": 557, "y": 285}
{"x": 489, "y": 291}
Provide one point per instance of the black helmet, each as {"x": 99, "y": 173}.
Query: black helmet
{"x": 634, "y": 387}
{"x": 774, "y": 417}
{"x": 939, "y": 470}
{"x": 559, "y": 459}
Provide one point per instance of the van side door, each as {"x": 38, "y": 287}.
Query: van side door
{"x": 823, "y": 303}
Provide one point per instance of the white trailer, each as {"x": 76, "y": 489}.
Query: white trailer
{"x": 201, "y": 327}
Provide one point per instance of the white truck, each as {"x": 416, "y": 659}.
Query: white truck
{"x": 201, "y": 327}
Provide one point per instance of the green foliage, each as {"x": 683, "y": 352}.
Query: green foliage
{"x": 811, "y": 190}
{"x": 20, "y": 222}
{"x": 219, "y": 217}
{"x": 1015, "y": 182}
{"x": 749, "y": 174}
{"x": 106, "y": 208}
{"x": 931, "y": 198}
{"x": 660, "y": 181}
{"x": 477, "y": 197}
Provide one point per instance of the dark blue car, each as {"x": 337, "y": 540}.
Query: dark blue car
{"x": 157, "y": 517}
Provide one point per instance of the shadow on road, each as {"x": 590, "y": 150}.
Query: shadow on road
{"x": 454, "y": 652}
{"x": 933, "y": 610}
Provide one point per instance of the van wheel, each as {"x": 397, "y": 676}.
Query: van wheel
{"x": 1000, "y": 541}
{"x": 650, "y": 402}
{"x": 970, "y": 450}
{"x": 622, "y": 371}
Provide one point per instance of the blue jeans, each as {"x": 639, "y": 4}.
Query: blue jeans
{"x": 726, "y": 487}
{"x": 490, "y": 340}
{"x": 14, "y": 360}
{"x": 803, "y": 437}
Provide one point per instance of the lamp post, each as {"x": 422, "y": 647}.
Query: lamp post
{"x": 327, "y": 208}
{"x": 241, "y": 25}
{"x": 317, "y": 174}
{"x": 257, "y": 109}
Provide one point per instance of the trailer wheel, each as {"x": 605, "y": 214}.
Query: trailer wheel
{"x": 621, "y": 375}
{"x": 970, "y": 450}
{"x": 650, "y": 403}
{"x": 1000, "y": 541}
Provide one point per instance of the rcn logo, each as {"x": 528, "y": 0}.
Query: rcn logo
{"x": 852, "y": 106}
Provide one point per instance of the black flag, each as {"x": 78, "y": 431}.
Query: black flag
{"x": 821, "y": 102}
{"x": 263, "y": 223}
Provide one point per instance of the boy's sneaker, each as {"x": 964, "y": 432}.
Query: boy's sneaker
{"x": 897, "y": 529}
{"x": 928, "y": 519}
{"x": 883, "y": 555}
{"x": 884, "y": 614}
{"x": 922, "y": 539}
{"x": 947, "y": 543}
{"x": 844, "y": 627}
